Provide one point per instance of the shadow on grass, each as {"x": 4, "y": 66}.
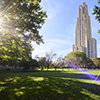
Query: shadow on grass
{"x": 36, "y": 87}
{"x": 72, "y": 74}
{"x": 66, "y": 75}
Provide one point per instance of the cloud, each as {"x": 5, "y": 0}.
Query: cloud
{"x": 72, "y": 1}
{"x": 61, "y": 35}
{"x": 52, "y": 8}
{"x": 40, "y": 50}
{"x": 70, "y": 33}
{"x": 64, "y": 52}
{"x": 71, "y": 29}
{"x": 98, "y": 46}
{"x": 60, "y": 41}
{"x": 51, "y": 44}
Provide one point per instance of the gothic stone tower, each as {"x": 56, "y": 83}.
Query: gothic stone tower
{"x": 83, "y": 39}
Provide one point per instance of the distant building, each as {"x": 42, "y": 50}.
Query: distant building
{"x": 83, "y": 39}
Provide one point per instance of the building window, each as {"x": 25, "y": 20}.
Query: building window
{"x": 91, "y": 47}
{"x": 83, "y": 9}
{"x": 80, "y": 24}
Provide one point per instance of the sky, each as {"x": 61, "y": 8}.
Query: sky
{"x": 59, "y": 29}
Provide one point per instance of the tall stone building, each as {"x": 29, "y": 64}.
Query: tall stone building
{"x": 83, "y": 38}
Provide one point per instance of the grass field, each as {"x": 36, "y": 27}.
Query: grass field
{"x": 49, "y": 85}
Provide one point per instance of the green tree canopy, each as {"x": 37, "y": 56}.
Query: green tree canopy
{"x": 20, "y": 22}
{"x": 76, "y": 58}
{"x": 90, "y": 63}
{"x": 32, "y": 63}
{"x": 42, "y": 62}
{"x": 96, "y": 61}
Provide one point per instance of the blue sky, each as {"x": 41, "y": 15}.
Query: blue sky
{"x": 59, "y": 29}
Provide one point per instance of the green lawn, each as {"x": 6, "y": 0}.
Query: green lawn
{"x": 49, "y": 85}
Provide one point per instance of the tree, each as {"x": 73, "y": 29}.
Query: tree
{"x": 46, "y": 61}
{"x": 76, "y": 58}
{"x": 24, "y": 63}
{"x": 49, "y": 58}
{"x": 32, "y": 63}
{"x": 90, "y": 63}
{"x": 20, "y": 22}
{"x": 96, "y": 62}
{"x": 59, "y": 62}
{"x": 96, "y": 10}
{"x": 42, "y": 62}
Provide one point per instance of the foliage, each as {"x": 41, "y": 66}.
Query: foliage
{"x": 90, "y": 63}
{"x": 60, "y": 63}
{"x": 20, "y": 22}
{"x": 96, "y": 10}
{"x": 31, "y": 63}
{"x": 46, "y": 62}
{"x": 42, "y": 62}
{"x": 49, "y": 58}
{"x": 34, "y": 64}
{"x": 96, "y": 61}
{"x": 76, "y": 58}
{"x": 3, "y": 62}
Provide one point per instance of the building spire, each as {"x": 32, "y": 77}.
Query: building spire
{"x": 83, "y": 3}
